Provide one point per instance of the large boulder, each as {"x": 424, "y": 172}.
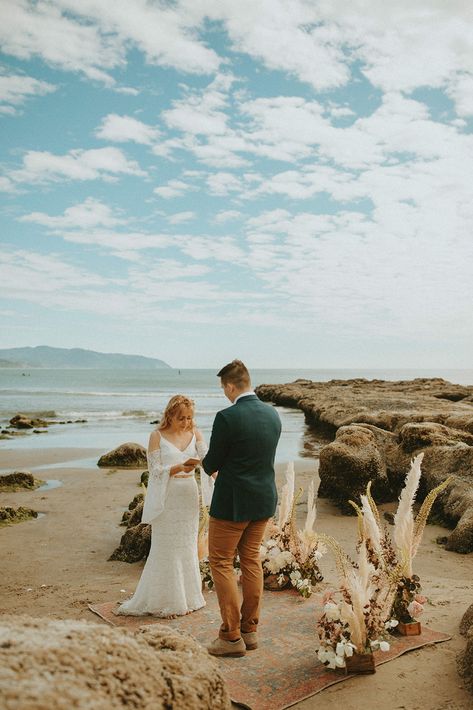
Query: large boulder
{"x": 129, "y": 455}
{"x": 355, "y": 457}
{"x": 361, "y": 453}
{"x": 467, "y": 621}
{"x": 61, "y": 665}
{"x": 134, "y": 544}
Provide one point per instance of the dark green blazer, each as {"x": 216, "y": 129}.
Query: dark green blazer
{"x": 242, "y": 448}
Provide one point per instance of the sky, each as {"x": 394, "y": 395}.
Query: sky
{"x": 284, "y": 181}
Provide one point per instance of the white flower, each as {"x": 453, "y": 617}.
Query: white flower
{"x": 274, "y": 552}
{"x": 332, "y": 611}
{"x": 295, "y": 576}
{"x": 374, "y": 644}
{"x": 349, "y": 650}
{"x": 340, "y": 662}
{"x": 288, "y": 556}
{"x": 340, "y": 649}
{"x": 394, "y": 622}
{"x": 272, "y": 565}
{"x": 270, "y": 543}
{"x": 384, "y": 646}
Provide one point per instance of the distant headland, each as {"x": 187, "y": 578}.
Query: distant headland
{"x": 68, "y": 358}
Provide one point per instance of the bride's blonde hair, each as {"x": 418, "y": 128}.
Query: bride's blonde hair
{"x": 179, "y": 401}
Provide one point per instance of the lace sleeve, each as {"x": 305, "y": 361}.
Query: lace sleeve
{"x": 157, "y": 487}
{"x": 206, "y": 482}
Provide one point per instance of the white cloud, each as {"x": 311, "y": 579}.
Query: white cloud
{"x": 90, "y": 213}
{"x": 286, "y": 36}
{"x": 159, "y": 31}
{"x": 121, "y": 129}
{"x": 78, "y": 164}
{"x": 30, "y": 29}
{"x": 181, "y": 217}
{"x": 173, "y": 188}
{"x": 15, "y": 89}
{"x": 45, "y": 274}
{"x": 223, "y": 183}
{"x": 226, "y": 216}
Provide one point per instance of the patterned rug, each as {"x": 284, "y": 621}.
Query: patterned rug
{"x": 284, "y": 669}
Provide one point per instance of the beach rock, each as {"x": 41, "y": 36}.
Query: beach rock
{"x": 465, "y": 661}
{"x": 348, "y": 463}
{"x": 134, "y": 544}
{"x": 387, "y": 405}
{"x": 405, "y": 417}
{"x": 127, "y": 455}
{"x": 467, "y": 621}
{"x": 22, "y": 421}
{"x": 132, "y": 516}
{"x": 9, "y": 515}
{"x": 59, "y": 665}
{"x": 18, "y": 479}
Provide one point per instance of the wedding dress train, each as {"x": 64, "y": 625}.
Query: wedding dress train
{"x": 170, "y": 583}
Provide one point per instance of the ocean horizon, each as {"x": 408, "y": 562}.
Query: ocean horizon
{"x": 120, "y": 405}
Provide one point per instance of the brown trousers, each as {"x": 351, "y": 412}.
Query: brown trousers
{"x": 225, "y": 539}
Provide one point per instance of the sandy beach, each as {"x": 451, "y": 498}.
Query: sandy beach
{"x": 56, "y": 565}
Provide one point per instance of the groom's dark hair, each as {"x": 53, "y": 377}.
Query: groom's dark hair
{"x": 235, "y": 373}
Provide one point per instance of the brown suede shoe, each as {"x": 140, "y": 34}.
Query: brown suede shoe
{"x": 250, "y": 639}
{"x": 231, "y": 649}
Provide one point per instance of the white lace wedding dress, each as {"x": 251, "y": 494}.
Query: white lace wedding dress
{"x": 170, "y": 583}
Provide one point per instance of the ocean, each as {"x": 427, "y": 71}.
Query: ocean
{"x": 119, "y": 405}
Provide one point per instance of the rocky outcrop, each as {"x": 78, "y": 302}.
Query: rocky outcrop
{"x": 8, "y": 515}
{"x": 355, "y": 457}
{"x": 23, "y": 421}
{"x": 76, "y": 664}
{"x": 361, "y": 453}
{"x": 132, "y": 516}
{"x": 465, "y": 662}
{"x": 387, "y": 405}
{"x": 18, "y": 479}
{"x": 467, "y": 621}
{"x": 134, "y": 544}
{"x": 129, "y": 455}
{"x": 378, "y": 427}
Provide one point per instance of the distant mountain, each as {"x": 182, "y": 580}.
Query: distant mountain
{"x": 44, "y": 356}
{"x": 9, "y": 363}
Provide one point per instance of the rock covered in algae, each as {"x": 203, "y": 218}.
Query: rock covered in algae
{"x": 59, "y": 665}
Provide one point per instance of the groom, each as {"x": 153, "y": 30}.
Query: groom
{"x": 242, "y": 448}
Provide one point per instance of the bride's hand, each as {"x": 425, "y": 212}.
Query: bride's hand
{"x": 181, "y": 471}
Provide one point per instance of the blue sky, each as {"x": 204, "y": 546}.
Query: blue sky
{"x": 288, "y": 182}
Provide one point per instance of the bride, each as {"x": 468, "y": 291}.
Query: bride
{"x": 170, "y": 584}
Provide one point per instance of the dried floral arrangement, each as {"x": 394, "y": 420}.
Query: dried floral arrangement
{"x": 290, "y": 556}
{"x": 407, "y": 535}
{"x": 356, "y": 617}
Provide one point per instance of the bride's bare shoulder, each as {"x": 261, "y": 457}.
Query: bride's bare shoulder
{"x": 154, "y": 441}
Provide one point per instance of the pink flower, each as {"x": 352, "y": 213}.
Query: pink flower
{"x": 415, "y": 609}
{"x": 420, "y": 598}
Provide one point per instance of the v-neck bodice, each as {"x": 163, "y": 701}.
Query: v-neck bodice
{"x": 177, "y": 447}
